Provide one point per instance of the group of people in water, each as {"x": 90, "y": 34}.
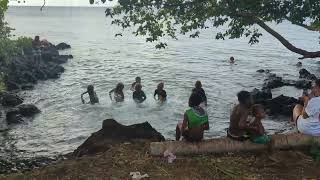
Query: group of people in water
{"x": 245, "y": 118}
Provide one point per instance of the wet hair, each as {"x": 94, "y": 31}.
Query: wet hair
{"x": 243, "y": 97}
{"x": 317, "y": 82}
{"x": 256, "y": 108}
{"x": 37, "y": 38}
{"x": 138, "y": 87}
{"x": 195, "y": 100}
{"x": 160, "y": 85}
{"x": 119, "y": 87}
{"x": 138, "y": 78}
{"x": 231, "y": 58}
{"x": 198, "y": 84}
{"x": 90, "y": 88}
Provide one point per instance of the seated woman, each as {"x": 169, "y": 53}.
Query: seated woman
{"x": 195, "y": 121}
{"x": 239, "y": 128}
{"x": 92, "y": 95}
{"x": 117, "y": 93}
{"x": 307, "y": 117}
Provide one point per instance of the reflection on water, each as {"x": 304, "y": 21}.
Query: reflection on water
{"x": 104, "y": 60}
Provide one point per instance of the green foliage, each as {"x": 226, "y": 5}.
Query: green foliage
{"x": 4, "y": 28}
{"x": 156, "y": 19}
{"x": 315, "y": 150}
{"x": 24, "y": 42}
{"x": 10, "y": 48}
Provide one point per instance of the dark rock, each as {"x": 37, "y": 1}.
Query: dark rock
{"x": 62, "y": 46}
{"x": 272, "y": 82}
{"x": 13, "y": 116}
{"x": 261, "y": 71}
{"x": 303, "y": 73}
{"x": 259, "y": 96}
{"x": 8, "y": 99}
{"x": 60, "y": 59}
{"x": 27, "y": 87}
{"x": 303, "y": 84}
{"x": 12, "y": 86}
{"x": 29, "y": 77}
{"x": 28, "y": 110}
{"x": 281, "y": 105}
{"x": 41, "y": 75}
{"x": 112, "y": 132}
{"x": 55, "y": 72}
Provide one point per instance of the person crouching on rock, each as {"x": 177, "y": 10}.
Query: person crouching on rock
{"x": 162, "y": 94}
{"x": 117, "y": 93}
{"x": 257, "y": 132}
{"x": 238, "y": 128}
{"x": 195, "y": 121}
{"x": 92, "y": 95}
{"x": 138, "y": 95}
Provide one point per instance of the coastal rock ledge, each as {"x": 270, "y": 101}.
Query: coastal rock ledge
{"x": 112, "y": 133}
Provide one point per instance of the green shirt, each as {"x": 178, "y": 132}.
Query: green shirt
{"x": 196, "y": 120}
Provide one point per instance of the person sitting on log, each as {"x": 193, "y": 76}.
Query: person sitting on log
{"x": 138, "y": 95}
{"x": 162, "y": 94}
{"x": 195, "y": 121}
{"x": 307, "y": 117}
{"x": 199, "y": 90}
{"x": 117, "y": 93}
{"x": 257, "y": 132}
{"x": 92, "y": 95}
{"x": 238, "y": 128}
{"x": 138, "y": 81}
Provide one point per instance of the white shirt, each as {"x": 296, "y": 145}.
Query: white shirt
{"x": 311, "y": 125}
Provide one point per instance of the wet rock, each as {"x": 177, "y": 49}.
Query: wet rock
{"x": 13, "y": 116}
{"x": 272, "y": 82}
{"x": 12, "y": 86}
{"x": 303, "y": 84}
{"x": 9, "y": 99}
{"x": 281, "y": 105}
{"x": 261, "y": 71}
{"x": 27, "y": 87}
{"x": 62, "y": 46}
{"x": 261, "y": 95}
{"x": 28, "y": 110}
{"x": 60, "y": 59}
{"x": 303, "y": 73}
{"x": 112, "y": 132}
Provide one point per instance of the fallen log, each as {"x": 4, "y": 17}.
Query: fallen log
{"x": 222, "y": 145}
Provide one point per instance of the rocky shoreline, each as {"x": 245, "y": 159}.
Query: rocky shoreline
{"x": 22, "y": 73}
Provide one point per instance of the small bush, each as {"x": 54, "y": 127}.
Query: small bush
{"x": 24, "y": 42}
{"x": 8, "y": 49}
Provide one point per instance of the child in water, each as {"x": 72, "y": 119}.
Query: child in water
{"x": 257, "y": 132}
{"x": 92, "y": 95}
{"x": 138, "y": 95}
{"x": 138, "y": 81}
{"x": 199, "y": 90}
{"x": 117, "y": 93}
{"x": 162, "y": 94}
{"x": 231, "y": 60}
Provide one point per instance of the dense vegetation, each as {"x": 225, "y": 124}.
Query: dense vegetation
{"x": 236, "y": 18}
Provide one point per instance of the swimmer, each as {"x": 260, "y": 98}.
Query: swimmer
{"x": 92, "y": 95}
{"x": 117, "y": 93}
{"x": 199, "y": 90}
{"x": 299, "y": 64}
{"x": 162, "y": 94}
{"x": 231, "y": 60}
{"x": 138, "y": 80}
{"x": 138, "y": 95}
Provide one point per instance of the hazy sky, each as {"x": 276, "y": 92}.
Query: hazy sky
{"x": 56, "y": 3}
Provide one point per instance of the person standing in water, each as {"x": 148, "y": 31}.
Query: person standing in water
{"x": 117, "y": 93}
{"x": 195, "y": 121}
{"x": 138, "y": 95}
{"x": 162, "y": 94}
{"x": 231, "y": 60}
{"x": 138, "y": 81}
{"x": 92, "y": 95}
{"x": 199, "y": 90}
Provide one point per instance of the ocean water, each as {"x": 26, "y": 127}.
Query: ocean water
{"x": 103, "y": 60}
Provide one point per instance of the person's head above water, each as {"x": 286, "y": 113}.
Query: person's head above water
{"x": 258, "y": 111}
{"x": 231, "y": 59}
{"x": 138, "y": 79}
{"x": 198, "y": 84}
{"x": 160, "y": 86}
{"x": 299, "y": 64}
{"x": 245, "y": 98}
{"x": 138, "y": 87}
{"x": 90, "y": 88}
{"x": 195, "y": 100}
{"x": 119, "y": 87}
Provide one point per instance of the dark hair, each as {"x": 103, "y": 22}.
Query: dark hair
{"x": 37, "y": 38}
{"x": 255, "y": 109}
{"x": 243, "y": 97}
{"x": 119, "y": 87}
{"x": 232, "y": 58}
{"x": 198, "y": 84}
{"x": 90, "y": 88}
{"x": 195, "y": 100}
{"x": 317, "y": 82}
{"x": 138, "y": 78}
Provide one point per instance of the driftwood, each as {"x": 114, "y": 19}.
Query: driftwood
{"x": 222, "y": 145}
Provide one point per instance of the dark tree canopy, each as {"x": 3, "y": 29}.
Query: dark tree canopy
{"x": 4, "y": 29}
{"x": 159, "y": 18}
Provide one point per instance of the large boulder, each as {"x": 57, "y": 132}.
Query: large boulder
{"x": 272, "y": 82}
{"x": 112, "y": 133}
{"x": 8, "y": 99}
{"x": 62, "y": 46}
{"x": 13, "y": 116}
{"x": 281, "y": 105}
{"x": 28, "y": 110}
{"x": 259, "y": 96}
{"x": 303, "y": 73}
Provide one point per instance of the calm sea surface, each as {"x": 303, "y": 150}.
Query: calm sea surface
{"x": 102, "y": 59}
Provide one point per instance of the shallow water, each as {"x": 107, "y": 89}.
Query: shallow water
{"x": 103, "y": 60}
